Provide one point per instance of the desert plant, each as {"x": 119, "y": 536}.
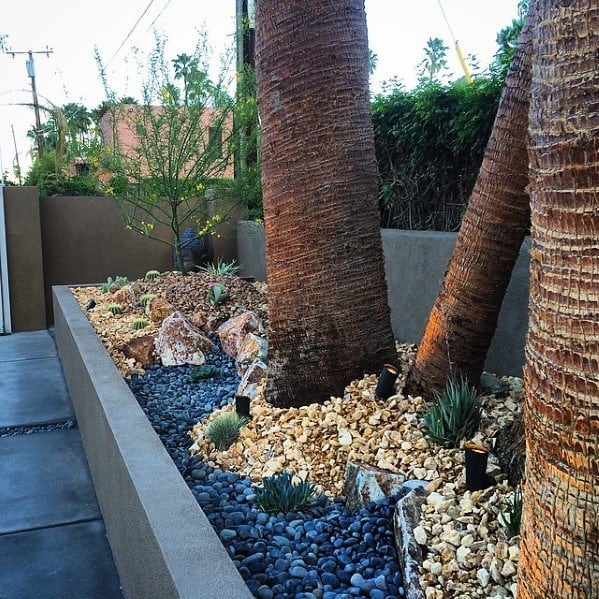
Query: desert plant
{"x": 224, "y": 430}
{"x": 280, "y": 493}
{"x": 454, "y": 415}
{"x": 217, "y": 294}
{"x": 115, "y": 309}
{"x": 111, "y": 285}
{"x": 220, "y": 268}
{"x": 146, "y": 297}
{"x": 513, "y": 516}
{"x": 139, "y": 323}
{"x": 203, "y": 372}
{"x": 151, "y": 274}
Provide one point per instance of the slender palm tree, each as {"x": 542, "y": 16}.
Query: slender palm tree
{"x": 328, "y": 315}
{"x": 560, "y": 527}
{"x": 464, "y": 317}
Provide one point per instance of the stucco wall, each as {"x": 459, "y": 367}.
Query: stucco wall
{"x": 24, "y": 253}
{"x": 415, "y": 263}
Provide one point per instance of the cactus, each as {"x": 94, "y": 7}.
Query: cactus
{"x": 151, "y": 274}
{"x": 146, "y": 297}
{"x": 139, "y": 323}
{"x": 115, "y": 309}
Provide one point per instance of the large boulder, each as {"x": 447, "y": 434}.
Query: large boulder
{"x": 232, "y": 332}
{"x": 157, "y": 309}
{"x": 253, "y": 347}
{"x": 179, "y": 342}
{"x": 365, "y": 483}
{"x": 141, "y": 349}
{"x": 248, "y": 387}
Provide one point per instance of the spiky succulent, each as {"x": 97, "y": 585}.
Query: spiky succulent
{"x": 280, "y": 493}
{"x": 115, "y": 309}
{"x": 225, "y": 429}
{"x": 454, "y": 415}
{"x": 221, "y": 268}
{"x": 203, "y": 372}
{"x": 511, "y": 520}
{"x": 146, "y": 297}
{"x": 139, "y": 323}
{"x": 217, "y": 294}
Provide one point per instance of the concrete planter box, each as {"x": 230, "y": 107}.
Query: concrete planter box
{"x": 162, "y": 543}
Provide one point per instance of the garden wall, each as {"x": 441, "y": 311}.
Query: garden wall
{"x": 415, "y": 263}
{"x": 64, "y": 240}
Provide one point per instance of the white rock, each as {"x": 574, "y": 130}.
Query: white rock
{"x": 483, "y": 577}
{"x": 467, "y": 541}
{"x": 420, "y": 535}
{"x": 462, "y": 553}
{"x": 435, "y": 499}
{"x": 514, "y": 553}
{"x": 514, "y": 589}
{"x": 509, "y": 569}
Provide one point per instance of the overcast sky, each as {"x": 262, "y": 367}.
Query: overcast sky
{"x": 398, "y": 31}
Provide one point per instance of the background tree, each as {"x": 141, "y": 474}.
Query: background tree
{"x": 328, "y": 315}
{"x": 559, "y": 544}
{"x": 464, "y": 317}
{"x": 435, "y": 61}
{"x": 507, "y": 40}
{"x": 165, "y": 152}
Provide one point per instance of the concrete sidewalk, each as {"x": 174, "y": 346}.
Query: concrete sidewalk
{"x": 52, "y": 539}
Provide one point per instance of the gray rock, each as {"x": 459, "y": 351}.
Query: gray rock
{"x": 491, "y": 385}
{"x": 364, "y": 483}
{"x": 405, "y": 520}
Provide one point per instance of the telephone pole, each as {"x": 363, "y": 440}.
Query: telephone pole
{"x": 30, "y": 64}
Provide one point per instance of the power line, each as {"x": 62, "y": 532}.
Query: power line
{"x": 131, "y": 32}
{"x": 159, "y": 14}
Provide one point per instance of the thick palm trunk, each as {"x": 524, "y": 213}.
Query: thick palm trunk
{"x": 560, "y": 530}
{"x": 328, "y": 315}
{"x": 464, "y": 317}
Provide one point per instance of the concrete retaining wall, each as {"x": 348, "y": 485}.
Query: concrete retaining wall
{"x": 162, "y": 543}
{"x": 415, "y": 263}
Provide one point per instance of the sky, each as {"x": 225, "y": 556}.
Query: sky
{"x": 123, "y": 29}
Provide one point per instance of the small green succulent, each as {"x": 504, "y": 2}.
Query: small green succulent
{"x": 280, "y": 493}
{"x": 224, "y": 430}
{"x": 139, "y": 323}
{"x": 217, "y": 294}
{"x": 151, "y": 274}
{"x": 221, "y": 268}
{"x": 111, "y": 285}
{"x": 454, "y": 415}
{"x": 511, "y": 520}
{"x": 203, "y": 372}
{"x": 115, "y": 309}
{"x": 146, "y": 297}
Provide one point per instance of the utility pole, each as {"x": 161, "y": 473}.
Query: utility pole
{"x": 30, "y": 64}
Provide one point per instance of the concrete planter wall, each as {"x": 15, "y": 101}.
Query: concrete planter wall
{"x": 163, "y": 545}
{"x": 415, "y": 263}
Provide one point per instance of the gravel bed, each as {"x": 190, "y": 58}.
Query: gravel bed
{"x": 12, "y": 431}
{"x": 328, "y": 552}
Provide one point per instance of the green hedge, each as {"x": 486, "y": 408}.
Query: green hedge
{"x": 429, "y": 144}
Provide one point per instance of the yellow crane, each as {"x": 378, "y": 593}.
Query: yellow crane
{"x": 457, "y": 47}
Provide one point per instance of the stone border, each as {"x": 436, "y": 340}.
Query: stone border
{"x": 162, "y": 543}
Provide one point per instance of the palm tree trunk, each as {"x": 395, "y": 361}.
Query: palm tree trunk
{"x": 560, "y": 528}
{"x": 464, "y": 317}
{"x": 328, "y": 315}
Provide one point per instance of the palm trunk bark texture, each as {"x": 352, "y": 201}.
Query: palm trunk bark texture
{"x": 329, "y": 320}
{"x": 464, "y": 316}
{"x": 560, "y": 527}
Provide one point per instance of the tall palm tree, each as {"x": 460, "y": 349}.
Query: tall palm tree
{"x": 560, "y": 528}
{"x": 328, "y": 315}
{"x": 464, "y": 317}
{"x": 435, "y": 60}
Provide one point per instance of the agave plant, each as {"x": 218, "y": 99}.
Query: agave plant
{"x": 203, "y": 372}
{"x": 225, "y": 429}
{"x": 217, "y": 294}
{"x": 512, "y": 518}
{"x": 454, "y": 415}
{"x": 220, "y": 268}
{"x": 280, "y": 493}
